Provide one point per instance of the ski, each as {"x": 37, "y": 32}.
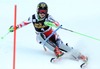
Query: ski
{"x": 83, "y": 65}
{"x": 57, "y": 58}
{"x": 53, "y": 60}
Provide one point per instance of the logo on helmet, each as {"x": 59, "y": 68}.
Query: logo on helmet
{"x": 43, "y": 5}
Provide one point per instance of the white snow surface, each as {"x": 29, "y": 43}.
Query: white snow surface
{"x": 78, "y": 15}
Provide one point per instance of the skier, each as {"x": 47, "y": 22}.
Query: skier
{"x": 40, "y": 22}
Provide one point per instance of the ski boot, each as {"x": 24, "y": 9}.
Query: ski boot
{"x": 84, "y": 58}
{"x": 58, "y": 53}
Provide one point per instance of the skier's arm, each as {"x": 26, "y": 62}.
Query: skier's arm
{"x": 24, "y": 23}
{"x": 51, "y": 22}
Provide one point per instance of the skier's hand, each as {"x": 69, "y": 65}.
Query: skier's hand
{"x": 50, "y": 24}
{"x": 11, "y": 29}
{"x": 57, "y": 24}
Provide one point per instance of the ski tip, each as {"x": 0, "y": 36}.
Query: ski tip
{"x": 83, "y": 65}
{"x": 52, "y": 59}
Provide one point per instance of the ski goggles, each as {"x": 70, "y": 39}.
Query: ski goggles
{"x": 42, "y": 11}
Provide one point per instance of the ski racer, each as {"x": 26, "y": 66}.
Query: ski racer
{"x": 40, "y": 22}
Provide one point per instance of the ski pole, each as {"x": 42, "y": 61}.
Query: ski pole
{"x": 50, "y": 36}
{"x": 53, "y": 25}
{"x": 5, "y": 35}
{"x": 81, "y": 34}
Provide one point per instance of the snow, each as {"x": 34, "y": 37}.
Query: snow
{"x": 78, "y": 15}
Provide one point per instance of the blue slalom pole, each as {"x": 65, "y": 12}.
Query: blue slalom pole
{"x": 50, "y": 36}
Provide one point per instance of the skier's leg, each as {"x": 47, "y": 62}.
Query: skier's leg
{"x": 50, "y": 45}
{"x": 62, "y": 46}
{"x": 41, "y": 38}
{"x": 74, "y": 54}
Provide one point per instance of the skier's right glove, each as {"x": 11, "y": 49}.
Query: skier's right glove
{"x": 11, "y": 29}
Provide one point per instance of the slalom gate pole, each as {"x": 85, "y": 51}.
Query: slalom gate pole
{"x": 51, "y": 35}
{"x": 14, "y": 48}
{"x": 81, "y": 34}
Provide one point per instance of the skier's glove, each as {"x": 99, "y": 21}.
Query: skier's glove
{"x": 11, "y": 29}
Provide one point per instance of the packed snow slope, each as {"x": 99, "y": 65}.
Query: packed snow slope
{"x": 78, "y": 15}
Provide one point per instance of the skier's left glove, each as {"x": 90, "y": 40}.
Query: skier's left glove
{"x": 11, "y": 29}
{"x": 50, "y": 24}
